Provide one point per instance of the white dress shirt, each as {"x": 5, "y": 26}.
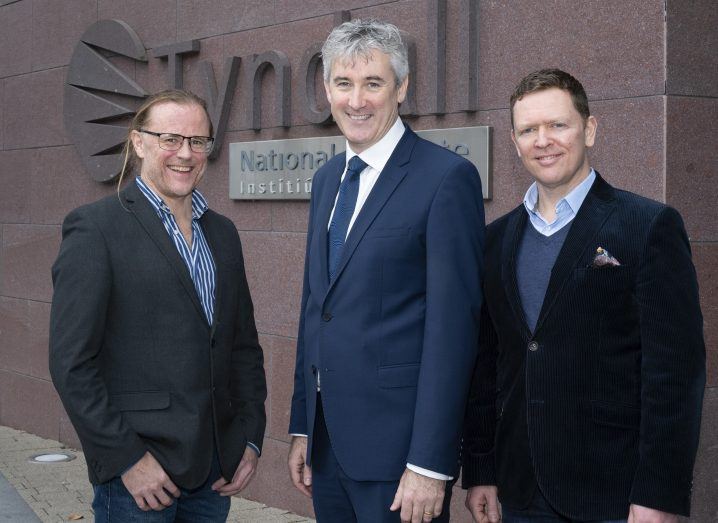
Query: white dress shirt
{"x": 375, "y": 157}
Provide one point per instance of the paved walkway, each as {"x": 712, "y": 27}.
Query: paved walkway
{"x": 54, "y": 492}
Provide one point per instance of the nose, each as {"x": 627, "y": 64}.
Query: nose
{"x": 184, "y": 151}
{"x": 543, "y": 137}
{"x": 356, "y": 98}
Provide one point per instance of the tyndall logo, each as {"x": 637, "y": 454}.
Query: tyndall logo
{"x": 101, "y": 98}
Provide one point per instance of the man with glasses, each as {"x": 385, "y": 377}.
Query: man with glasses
{"x": 153, "y": 345}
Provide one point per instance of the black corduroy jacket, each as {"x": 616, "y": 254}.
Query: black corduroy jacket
{"x": 600, "y": 406}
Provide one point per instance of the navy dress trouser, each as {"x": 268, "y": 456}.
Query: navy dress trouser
{"x": 340, "y": 499}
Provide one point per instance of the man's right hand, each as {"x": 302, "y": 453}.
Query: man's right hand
{"x": 299, "y": 471}
{"x": 483, "y": 503}
{"x": 149, "y": 484}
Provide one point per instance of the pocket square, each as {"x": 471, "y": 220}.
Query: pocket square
{"x": 604, "y": 259}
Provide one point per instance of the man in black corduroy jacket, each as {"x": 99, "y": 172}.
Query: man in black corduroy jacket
{"x": 587, "y": 393}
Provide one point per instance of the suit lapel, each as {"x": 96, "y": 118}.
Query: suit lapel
{"x": 392, "y": 174}
{"x": 594, "y": 211}
{"x": 147, "y": 217}
{"x": 509, "y": 250}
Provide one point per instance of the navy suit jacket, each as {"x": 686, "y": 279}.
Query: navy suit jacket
{"x": 600, "y": 405}
{"x": 136, "y": 364}
{"x": 394, "y": 335}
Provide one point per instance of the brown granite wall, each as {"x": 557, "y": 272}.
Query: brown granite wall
{"x": 649, "y": 66}
{"x": 691, "y": 186}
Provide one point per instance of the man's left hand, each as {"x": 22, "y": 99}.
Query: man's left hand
{"x": 243, "y": 475}
{"x": 639, "y": 514}
{"x": 419, "y": 497}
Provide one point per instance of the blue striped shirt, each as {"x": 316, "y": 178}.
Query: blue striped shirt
{"x": 198, "y": 258}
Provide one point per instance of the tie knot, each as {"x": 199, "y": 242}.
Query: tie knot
{"x": 356, "y": 165}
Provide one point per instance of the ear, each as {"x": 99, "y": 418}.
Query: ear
{"x": 589, "y": 131}
{"x": 513, "y": 139}
{"x": 137, "y": 143}
{"x": 401, "y": 95}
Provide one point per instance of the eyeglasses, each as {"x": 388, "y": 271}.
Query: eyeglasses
{"x": 173, "y": 142}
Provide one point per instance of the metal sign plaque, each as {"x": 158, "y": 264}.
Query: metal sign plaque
{"x": 283, "y": 169}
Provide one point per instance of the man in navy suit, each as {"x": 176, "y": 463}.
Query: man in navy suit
{"x": 586, "y": 399}
{"x": 391, "y": 300}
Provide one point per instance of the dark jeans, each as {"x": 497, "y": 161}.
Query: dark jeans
{"x": 114, "y": 504}
{"x": 539, "y": 511}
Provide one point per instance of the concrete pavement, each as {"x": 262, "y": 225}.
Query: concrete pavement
{"x": 54, "y": 492}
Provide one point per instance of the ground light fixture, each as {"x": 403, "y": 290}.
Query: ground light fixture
{"x": 51, "y": 457}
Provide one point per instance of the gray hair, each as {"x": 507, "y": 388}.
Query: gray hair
{"x": 358, "y": 38}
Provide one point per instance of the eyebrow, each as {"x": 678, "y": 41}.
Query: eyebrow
{"x": 533, "y": 123}
{"x": 374, "y": 78}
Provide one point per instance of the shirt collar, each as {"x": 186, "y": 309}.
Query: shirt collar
{"x": 574, "y": 199}
{"x": 199, "y": 203}
{"x": 378, "y": 154}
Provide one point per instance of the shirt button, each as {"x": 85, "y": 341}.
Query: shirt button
{"x": 326, "y": 316}
{"x": 533, "y": 346}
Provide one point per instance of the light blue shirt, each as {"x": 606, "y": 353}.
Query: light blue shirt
{"x": 566, "y": 208}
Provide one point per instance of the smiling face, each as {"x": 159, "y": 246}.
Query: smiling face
{"x": 552, "y": 139}
{"x": 364, "y": 98}
{"x": 172, "y": 174}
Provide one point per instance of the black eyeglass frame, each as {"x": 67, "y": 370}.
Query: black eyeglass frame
{"x": 206, "y": 150}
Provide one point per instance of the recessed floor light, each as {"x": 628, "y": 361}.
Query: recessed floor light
{"x": 53, "y": 457}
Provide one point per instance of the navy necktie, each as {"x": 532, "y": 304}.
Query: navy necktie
{"x": 343, "y": 212}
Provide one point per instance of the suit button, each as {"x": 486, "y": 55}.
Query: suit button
{"x": 533, "y": 346}
{"x": 213, "y": 342}
{"x": 326, "y": 316}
